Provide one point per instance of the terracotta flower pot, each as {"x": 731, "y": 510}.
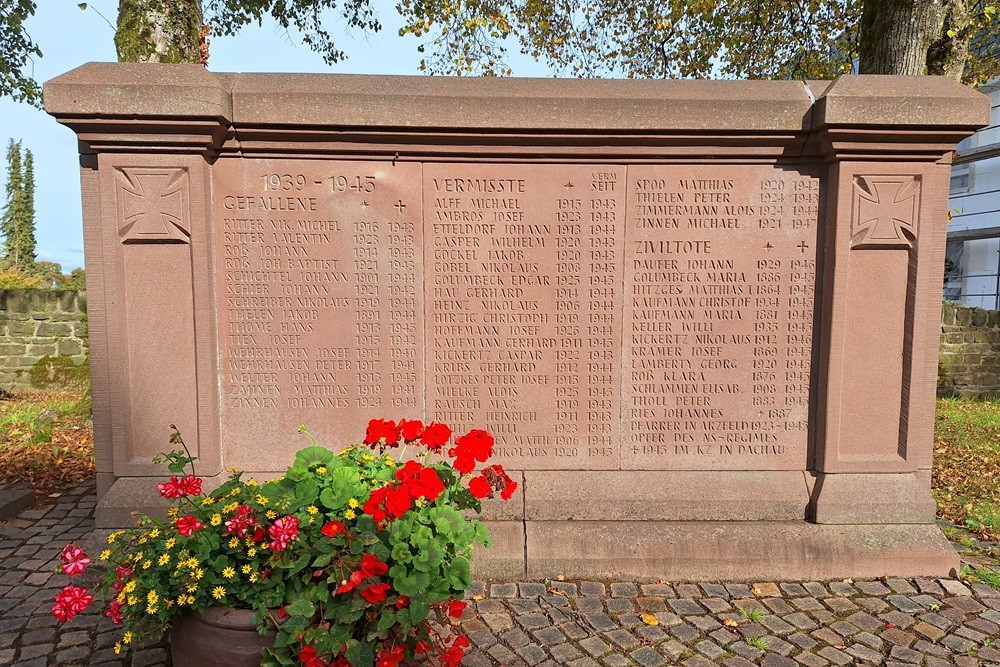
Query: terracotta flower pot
{"x": 220, "y": 637}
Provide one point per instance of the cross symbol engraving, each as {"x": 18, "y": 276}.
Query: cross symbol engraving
{"x": 152, "y": 205}
{"x": 569, "y": 185}
{"x": 399, "y": 206}
{"x": 885, "y": 211}
{"x": 768, "y": 246}
{"x": 802, "y": 246}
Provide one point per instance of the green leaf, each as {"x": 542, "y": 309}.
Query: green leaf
{"x": 314, "y": 456}
{"x": 360, "y": 654}
{"x": 386, "y": 620}
{"x": 301, "y": 607}
{"x": 419, "y": 609}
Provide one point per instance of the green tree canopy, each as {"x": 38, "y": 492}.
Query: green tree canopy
{"x": 17, "y": 222}
{"x": 628, "y": 38}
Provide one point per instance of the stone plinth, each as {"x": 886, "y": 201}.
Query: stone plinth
{"x": 699, "y": 317}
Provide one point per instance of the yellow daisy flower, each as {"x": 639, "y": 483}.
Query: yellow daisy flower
{"x": 192, "y": 588}
{"x": 247, "y": 568}
{"x": 151, "y": 609}
{"x": 106, "y": 554}
{"x": 208, "y": 500}
{"x": 147, "y": 564}
{"x": 118, "y": 648}
{"x": 353, "y": 503}
{"x": 254, "y": 578}
{"x": 312, "y": 509}
{"x": 173, "y": 511}
{"x": 163, "y": 560}
{"x": 233, "y": 543}
{"x": 349, "y": 514}
{"x": 198, "y": 574}
{"x": 154, "y": 533}
{"x": 251, "y": 552}
{"x": 132, "y": 600}
{"x": 114, "y": 536}
{"x": 218, "y": 592}
{"x": 170, "y": 543}
{"x": 230, "y": 507}
{"x": 127, "y": 637}
{"x": 228, "y": 573}
{"x": 271, "y": 514}
{"x": 321, "y": 470}
{"x": 261, "y": 499}
{"x": 152, "y": 597}
{"x": 130, "y": 586}
{"x": 216, "y": 519}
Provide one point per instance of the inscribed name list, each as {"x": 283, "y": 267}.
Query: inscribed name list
{"x": 321, "y": 313}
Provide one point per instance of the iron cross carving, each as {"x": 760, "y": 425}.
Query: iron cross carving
{"x": 885, "y": 211}
{"x": 152, "y": 205}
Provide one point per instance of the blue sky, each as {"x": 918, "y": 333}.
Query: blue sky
{"x": 70, "y": 37}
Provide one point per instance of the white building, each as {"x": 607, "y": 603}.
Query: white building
{"x": 972, "y": 267}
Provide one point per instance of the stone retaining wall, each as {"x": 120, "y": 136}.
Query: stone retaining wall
{"x": 969, "y": 365}
{"x": 39, "y": 323}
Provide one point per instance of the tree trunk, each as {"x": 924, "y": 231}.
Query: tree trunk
{"x": 912, "y": 37}
{"x": 159, "y": 31}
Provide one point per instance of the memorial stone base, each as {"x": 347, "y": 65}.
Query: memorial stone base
{"x": 700, "y": 318}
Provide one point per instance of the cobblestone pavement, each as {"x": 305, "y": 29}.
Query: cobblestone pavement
{"x": 582, "y": 623}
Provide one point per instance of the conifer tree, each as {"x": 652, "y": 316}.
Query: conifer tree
{"x": 17, "y": 225}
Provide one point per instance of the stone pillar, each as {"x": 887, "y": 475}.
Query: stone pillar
{"x": 148, "y": 234}
{"x": 886, "y": 217}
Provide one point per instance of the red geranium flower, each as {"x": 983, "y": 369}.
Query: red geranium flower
{"x": 453, "y": 656}
{"x": 375, "y": 593}
{"x": 476, "y": 445}
{"x": 70, "y": 602}
{"x": 480, "y": 487}
{"x": 114, "y": 612}
{"x": 420, "y": 480}
{"x": 371, "y": 566}
{"x": 310, "y": 657}
{"x": 282, "y": 532}
{"x": 422, "y": 648}
{"x": 186, "y": 525}
{"x": 352, "y": 583}
{"x": 390, "y": 657}
{"x": 333, "y": 528}
{"x": 190, "y": 486}
{"x": 456, "y": 608}
{"x": 410, "y": 429}
{"x": 435, "y": 436}
{"x": 170, "y": 489}
{"x": 74, "y": 560}
{"x": 241, "y": 522}
{"x": 402, "y": 602}
{"x": 381, "y": 432}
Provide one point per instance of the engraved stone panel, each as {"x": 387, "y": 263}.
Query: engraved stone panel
{"x": 720, "y": 268}
{"x": 524, "y": 288}
{"x": 320, "y": 281}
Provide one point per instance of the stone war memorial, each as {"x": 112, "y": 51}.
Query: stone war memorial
{"x": 700, "y": 317}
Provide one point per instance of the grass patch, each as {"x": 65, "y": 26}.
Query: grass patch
{"x": 966, "y": 477}
{"x": 754, "y": 614}
{"x": 986, "y": 576}
{"x": 757, "y": 642}
{"x": 46, "y": 440}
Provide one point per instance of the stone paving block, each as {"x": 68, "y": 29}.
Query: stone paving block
{"x": 666, "y": 618}
{"x": 745, "y": 650}
{"x": 953, "y": 587}
{"x": 685, "y": 632}
{"x": 532, "y": 621}
{"x": 650, "y": 633}
{"x": 709, "y": 649}
{"x": 739, "y": 591}
{"x": 651, "y": 604}
{"x": 531, "y": 590}
{"x": 589, "y": 605}
{"x": 574, "y": 631}
{"x": 803, "y": 641}
{"x": 873, "y": 605}
{"x": 983, "y": 625}
{"x": 686, "y": 607}
{"x": 564, "y": 653}
{"x": 901, "y": 586}
{"x": 969, "y": 633}
{"x": 532, "y": 654}
{"x": 620, "y": 606}
{"x": 898, "y": 619}
{"x": 793, "y": 589}
{"x": 522, "y": 606}
{"x": 836, "y": 656}
{"x": 498, "y": 622}
{"x": 842, "y": 588}
{"x": 776, "y": 625}
{"x": 672, "y": 648}
{"x": 898, "y": 637}
{"x": 704, "y": 623}
{"x": 808, "y": 604}
{"x": 904, "y": 654}
{"x": 958, "y": 644}
{"x": 549, "y": 636}
{"x": 698, "y": 661}
{"x": 647, "y": 657}
{"x": 810, "y": 660}
{"x": 624, "y": 590}
{"x": 616, "y": 660}
{"x": 865, "y": 654}
{"x": 507, "y": 590}
{"x": 658, "y": 590}
{"x": 595, "y": 646}
{"x": 502, "y": 654}
{"x": 688, "y": 591}
{"x": 600, "y": 622}
{"x": 483, "y": 638}
{"x": 622, "y": 638}
{"x": 904, "y": 604}
{"x": 966, "y": 604}
{"x": 816, "y": 589}
{"x": 515, "y": 638}
{"x": 716, "y": 605}
{"x": 801, "y": 621}
{"x": 737, "y": 661}
{"x": 593, "y": 588}
{"x": 778, "y": 645}
{"x": 776, "y": 660}
{"x": 875, "y": 588}
{"x": 566, "y": 588}
{"x": 779, "y": 606}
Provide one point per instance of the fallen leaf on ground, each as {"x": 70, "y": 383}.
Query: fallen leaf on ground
{"x": 649, "y": 619}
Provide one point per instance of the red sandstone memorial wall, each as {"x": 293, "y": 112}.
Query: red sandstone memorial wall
{"x": 699, "y": 317}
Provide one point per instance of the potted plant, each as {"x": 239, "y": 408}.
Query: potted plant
{"x": 344, "y": 560}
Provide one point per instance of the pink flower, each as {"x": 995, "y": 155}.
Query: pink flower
{"x": 283, "y": 532}
{"x": 186, "y": 525}
{"x": 70, "y": 602}
{"x": 74, "y": 560}
{"x": 176, "y": 487}
{"x": 241, "y": 522}
{"x": 190, "y": 486}
{"x": 114, "y": 612}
